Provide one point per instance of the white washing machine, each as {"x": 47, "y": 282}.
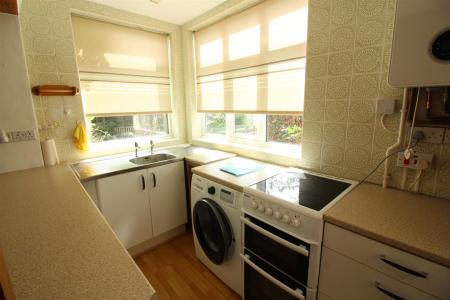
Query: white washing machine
{"x": 216, "y": 227}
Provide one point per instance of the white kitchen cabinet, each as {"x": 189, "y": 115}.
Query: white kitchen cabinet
{"x": 123, "y": 201}
{"x": 356, "y": 267}
{"x": 143, "y": 204}
{"x": 167, "y": 197}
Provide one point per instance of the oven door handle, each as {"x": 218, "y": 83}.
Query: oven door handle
{"x": 295, "y": 293}
{"x": 299, "y": 249}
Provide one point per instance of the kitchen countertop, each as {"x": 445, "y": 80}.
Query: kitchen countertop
{"x": 112, "y": 165}
{"x": 212, "y": 171}
{"x": 415, "y": 223}
{"x": 56, "y": 243}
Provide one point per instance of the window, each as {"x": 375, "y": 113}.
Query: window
{"x": 258, "y": 129}
{"x": 215, "y": 124}
{"x": 125, "y": 90}
{"x": 123, "y": 127}
{"x": 253, "y": 80}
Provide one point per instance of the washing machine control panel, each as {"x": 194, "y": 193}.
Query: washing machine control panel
{"x": 227, "y": 196}
{"x": 215, "y": 191}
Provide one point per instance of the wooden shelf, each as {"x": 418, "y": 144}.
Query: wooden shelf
{"x": 55, "y": 90}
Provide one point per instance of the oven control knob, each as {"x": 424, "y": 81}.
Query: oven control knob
{"x": 254, "y": 204}
{"x": 269, "y": 211}
{"x": 261, "y": 208}
{"x": 286, "y": 219}
{"x": 296, "y": 222}
{"x": 277, "y": 214}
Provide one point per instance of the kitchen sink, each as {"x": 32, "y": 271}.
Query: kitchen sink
{"x": 151, "y": 159}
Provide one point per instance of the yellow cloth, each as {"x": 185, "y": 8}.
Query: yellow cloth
{"x": 80, "y": 138}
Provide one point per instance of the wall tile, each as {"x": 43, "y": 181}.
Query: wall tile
{"x": 356, "y": 158}
{"x": 371, "y": 8}
{"x": 313, "y": 131}
{"x": 343, "y": 12}
{"x": 331, "y": 170}
{"x": 317, "y": 66}
{"x": 338, "y": 87}
{"x": 334, "y": 133}
{"x": 359, "y": 134}
{"x": 340, "y": 63}
{"x": 362, "y": 111}
{"x": 314, "y": 110}
{"x": 43, "y": 45}
{"x": 317, "y": 43}
{"x": 39, "y": 25}
{"x": 365, "y": 86}
{"x": 367, "y": 60}
{"x": 332, "y": 154}
{"x": 318, "y": 19}
{"x": 342, "y": 38}
{"x": 62, "y": 28}
{"x": 315, "y": 88}
{"x": 45, "y": 63}
{"x": 311, "y": 152}
{"x": 336, "y": 111}
{"x": 320, "y": 3}
{"x": 370, "y": 32}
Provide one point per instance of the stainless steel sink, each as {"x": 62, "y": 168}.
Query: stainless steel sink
{"x": 151, "y": 159}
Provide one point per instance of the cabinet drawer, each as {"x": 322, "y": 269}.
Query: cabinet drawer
{"x": 344, "y": 278}
{"x": 410, "y": 269}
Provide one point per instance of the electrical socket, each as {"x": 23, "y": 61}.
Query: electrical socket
{"x": 447, "y": 136}
{"x": 22, "y": 136}
{"x": 432, "y": 135}
{"x": 414, "y": 159}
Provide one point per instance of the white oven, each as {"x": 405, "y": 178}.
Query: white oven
{"x": 282, "y": 228}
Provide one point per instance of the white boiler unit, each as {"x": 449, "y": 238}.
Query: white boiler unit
{"x": 421, "y": 45}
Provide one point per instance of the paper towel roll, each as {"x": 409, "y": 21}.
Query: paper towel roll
{"x": 49, "y": 152}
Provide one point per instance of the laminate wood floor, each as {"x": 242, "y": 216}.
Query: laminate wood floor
{"x": 175, "y": 272}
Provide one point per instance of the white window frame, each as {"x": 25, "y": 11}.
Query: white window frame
{"x": 235, "y": 139}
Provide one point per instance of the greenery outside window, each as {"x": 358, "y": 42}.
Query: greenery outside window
{"x": 264, "y": 130}
{"x": 107, "y": 128}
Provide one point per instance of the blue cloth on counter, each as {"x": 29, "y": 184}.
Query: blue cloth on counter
{"x": 239, "y": 170}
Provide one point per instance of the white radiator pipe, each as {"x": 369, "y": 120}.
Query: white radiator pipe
{"x": 397, "y": 145}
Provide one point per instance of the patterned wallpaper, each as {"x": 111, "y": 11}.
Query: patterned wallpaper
{"x": 50, "y": 55}
{"x": 349, "y": 43}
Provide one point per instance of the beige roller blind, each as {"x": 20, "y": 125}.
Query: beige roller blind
{"x": 254, "y": 61}
{"x": 120, "y": 98}
{"x": 123, "y": 70}
{"x": 114, "y": 49}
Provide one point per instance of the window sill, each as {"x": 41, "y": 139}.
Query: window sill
{"x": 273, "y": 150}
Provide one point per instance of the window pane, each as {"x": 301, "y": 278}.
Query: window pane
{"x": 215, "y": 123}
{"x": 245, "y": 125}
{"x": 123, "y": 127}
{"x": 284, "y": 128}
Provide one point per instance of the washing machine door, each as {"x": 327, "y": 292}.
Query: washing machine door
{"x": 213, "y": 230}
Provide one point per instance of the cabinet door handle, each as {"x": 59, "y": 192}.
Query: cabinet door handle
{"x": 143, "y": 182}
{"x": 154, "y": 180}
{"x": 402, "y": 268}
{"x": 386, "y": 292}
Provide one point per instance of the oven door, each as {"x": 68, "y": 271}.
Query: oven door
{"x": 286, "y": 253}
{"x": 263, "y": 281}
